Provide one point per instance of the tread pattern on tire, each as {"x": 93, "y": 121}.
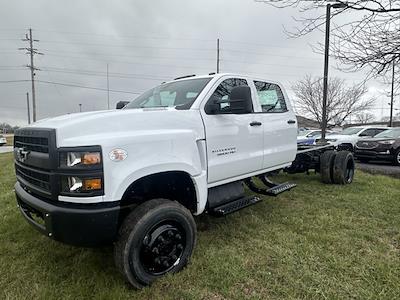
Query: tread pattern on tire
{"x": 131, "y": 223}
{"x": 340, "y": 167}
{"x": 326, "y": 166}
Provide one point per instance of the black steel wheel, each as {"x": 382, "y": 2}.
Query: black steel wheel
{"x": 343, "y": 168}
{"x": 156, "y": 238}
{"x": 162, "y": 247}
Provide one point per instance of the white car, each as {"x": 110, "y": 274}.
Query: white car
{"x": 3, "y": 140}
{"x": 347, "y": 139}
{"x": 308, "y": 137}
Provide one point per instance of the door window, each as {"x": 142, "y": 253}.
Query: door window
{"x": 223, "y": 91}
{"x": 271, "y": 97}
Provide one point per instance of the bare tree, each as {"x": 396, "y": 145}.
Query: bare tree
{"x": 365, "y": 117}
{"x": 342, "y": 102}
{"x": 371, "y": 39}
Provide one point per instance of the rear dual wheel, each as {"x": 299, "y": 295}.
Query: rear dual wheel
{"x": 337, "y": 167}
{"x": 156, "y": 238}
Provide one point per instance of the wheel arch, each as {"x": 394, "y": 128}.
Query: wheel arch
{"x": 176, "y": 185}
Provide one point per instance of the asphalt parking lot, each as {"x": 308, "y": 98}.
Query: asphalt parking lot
{"x": 5, "y": 149}
{"x": 380, "y": 167}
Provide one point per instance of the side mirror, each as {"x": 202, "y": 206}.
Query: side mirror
{"x": 121, "y": 104}
{"x": 239, "y": 102}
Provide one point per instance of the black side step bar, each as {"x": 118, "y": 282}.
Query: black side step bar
{"x": 274, "y": 189}
{"x": 235, "y": 205}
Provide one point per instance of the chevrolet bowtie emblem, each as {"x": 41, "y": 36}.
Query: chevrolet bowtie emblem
{"x": 22, "y": 154}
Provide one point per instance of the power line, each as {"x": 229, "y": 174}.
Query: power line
{"x": 126, "y": 36}
{"x": 125, "y": 46}
{"x": 88, "y": 87}
{"x": 12, "y": 81}
{"x": 103, "y": 74}
{"x": 129, "y": 62}
{"x": 124, "y": 55}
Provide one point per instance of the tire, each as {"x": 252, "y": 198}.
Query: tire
{"x": 343, "y": 168}
{"x": 156, "y": 224}
{"x": 396, "y": 159}
{"x": 326, "y": 166}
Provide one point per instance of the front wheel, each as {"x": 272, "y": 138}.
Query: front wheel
{"x": 156, "y": 238}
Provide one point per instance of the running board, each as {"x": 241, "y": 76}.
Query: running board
{"x": 235, "y": 205}
{"x": 283, "y": 187}
{"x": 274, "y": 189}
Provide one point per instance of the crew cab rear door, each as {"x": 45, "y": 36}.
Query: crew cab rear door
{"x": 280, "y": 124}
{"x": 234, "y": 141}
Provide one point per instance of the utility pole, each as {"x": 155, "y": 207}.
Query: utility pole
{"x": 32, "y": 51}
{"x": 108, "y": 90}
{"x": 29, "y": 111}
{"x": 326, "y": 64}
{"x": 392, "y": 99}
{"x": 217, "y": 56}
{"x": 80, "y": 107}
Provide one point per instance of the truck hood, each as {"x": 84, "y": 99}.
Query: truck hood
{"x": 94, "y": 128}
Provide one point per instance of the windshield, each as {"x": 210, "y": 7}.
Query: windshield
{"x": 304, "y": 132}
{"x": 390, "y": 133}
{"x": 351, "y": 130}
{"x": 179, "y": 94}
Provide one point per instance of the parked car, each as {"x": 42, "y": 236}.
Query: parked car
{"x": 308, "y": 137}
{"x": 347, "y": 139}
{"x": 384, "y": 146}
{"x": 3, "y": 140}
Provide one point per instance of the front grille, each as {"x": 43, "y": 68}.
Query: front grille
{"x": 366, "y": 145}
{"x": 37, "y": 144}
{"x": 38, "y": 179}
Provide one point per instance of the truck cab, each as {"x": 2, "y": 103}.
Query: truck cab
{"x": 136, "y": 176}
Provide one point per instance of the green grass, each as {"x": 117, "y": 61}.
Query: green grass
{"x": 316, "y": 242}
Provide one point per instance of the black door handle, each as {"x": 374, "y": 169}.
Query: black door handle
{"x": 255, "y": 123}
{"x": 291, "y": 121}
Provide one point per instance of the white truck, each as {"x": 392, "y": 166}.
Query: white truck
{"x": 136, "y": 176}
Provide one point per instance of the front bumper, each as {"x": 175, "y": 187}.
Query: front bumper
{"x": 74, "y": 224}
{"x": 368, "y": 154}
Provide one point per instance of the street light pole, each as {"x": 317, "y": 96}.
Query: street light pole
{"x": 326, "y": 65}
{"x": 392, "y": 98}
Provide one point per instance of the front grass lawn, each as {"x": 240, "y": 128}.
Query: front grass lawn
{"x": 315, "y": 242}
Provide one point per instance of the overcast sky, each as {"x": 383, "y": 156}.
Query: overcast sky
{"x": 144, "y": 43}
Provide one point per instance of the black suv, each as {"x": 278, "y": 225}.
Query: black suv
{"x": 384, "y": 146}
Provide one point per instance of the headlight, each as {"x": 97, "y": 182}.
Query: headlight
{"x": 82, "y": 159}
{"x": 388, "y": 142}
{"x": 331, "y": 140}
{"x": 76, "y": 184}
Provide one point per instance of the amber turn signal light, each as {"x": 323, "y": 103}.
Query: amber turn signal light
{"x": 92, "y": 184}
